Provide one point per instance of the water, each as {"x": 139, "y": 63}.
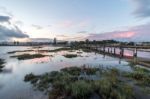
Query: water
{"x": 12, "y": 85}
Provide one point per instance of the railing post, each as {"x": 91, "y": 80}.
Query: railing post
{"x": 104, "y": 49}
{"x": 108, "y": 49}
{"x": 114, "y": 51}
{"x": 121, "y": 52}
{"x": 111, "y": 50}
{"x": 135, "y": 55}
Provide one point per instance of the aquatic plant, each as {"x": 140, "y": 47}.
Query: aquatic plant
{"x": 61, "y": 49}
{"x": 86, "y": 50}
{"x": 1, "y": 64}
{"x": 28, "y": 56}
{"x": 112, "y": 88}
{"x": 55, "y": 50}
{"x": 141, "y": 76}
{"x": 72, "y": 70}
{"x": 70, "y": 55}
{"x": 65, "y": 84}
{"x": 80, "y": 89}
{"x": 13, "y": 52}
{"x": 34, "y": 47}
{"x": 79, "y": 52}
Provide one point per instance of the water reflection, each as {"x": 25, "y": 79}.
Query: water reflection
{"x": 12, "y": 85}
{"x": 7, "y": 71}
{"x": 40, "y": 60}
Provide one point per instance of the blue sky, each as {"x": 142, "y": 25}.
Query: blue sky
{"x": 76, "y": 19}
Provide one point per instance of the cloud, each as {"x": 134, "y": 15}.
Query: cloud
{"x": 142, "y": 8}
{"x": 19, "y": 23}
{"x": 82, "y": 32}
{"x": 61, "y": 35}
{"x": 4, "y": 11}
{"x": 137, "y": 33}
{"x": 40, "y": 40}
{"x": 112, "y": 35}
{"x": 4, "y": 19}
{"x": 73, "y": 37}
{"x": 37, "y": 26}
{"x": 9, "y": 31}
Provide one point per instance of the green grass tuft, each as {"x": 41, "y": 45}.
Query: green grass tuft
{"x": 28, "y": 56}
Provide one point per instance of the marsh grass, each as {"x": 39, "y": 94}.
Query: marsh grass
{"x": 64, "y": 84}
{"x": 37, "y": 47}
{"x": 55, "y": 50}
{"x": 139, "y": 74}
{"x": 61, "y": 49}
{"x": 70, "y": 55}
{"x": 2, "y": 62}
{"x": 141, "y": 78}
{"x": 86, "y": 50}
{"x": 79, "y": 52}
{"x": 28, "y": 56}
{"x": 13, "y": 52}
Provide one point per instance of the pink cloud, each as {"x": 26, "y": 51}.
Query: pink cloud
{"x": 72, "y": 37}
{"x": 127, "y": 34}
{"x": 112, "y": 35}
{"x": 137, "y": 33}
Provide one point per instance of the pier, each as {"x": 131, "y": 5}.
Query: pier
{"x": 112, "y": 50}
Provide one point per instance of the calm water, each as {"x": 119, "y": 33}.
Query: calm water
{"x": 12, "y": 85}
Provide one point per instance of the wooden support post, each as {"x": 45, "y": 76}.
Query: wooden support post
{"x": 121, "y": 52}
{"x": 135, "y": 52}
{"x": 101, "y": 48}
{"x": 111, "y": 50}
{"x": 108, "y": 50}
{"x": 114, "y": 51}
{"x": 104, "y": 49}
{"x": 135, "y": 55}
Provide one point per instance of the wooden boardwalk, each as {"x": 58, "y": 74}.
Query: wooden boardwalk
{"x": 111, "y": 51}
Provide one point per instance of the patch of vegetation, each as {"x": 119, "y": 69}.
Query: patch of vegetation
{"x": 70, "y": 55}
{"x": 80, "y": 89}
{"x": 76, "y": 71}
{"x": 65, "y": 84}
{"x": 13, "y": 52}
{"x": 141, "y": 76}
{"x": 79, "y": 52}
{"x": 71, "y": 51}
{"x": 28, "y": 56}
{"x": 61, "y": 49}
{"x": 86, "y": 50}
{"x": 37, "y": 47}
{"x": 1, "y": 64}
{"x": 55, "y": 50}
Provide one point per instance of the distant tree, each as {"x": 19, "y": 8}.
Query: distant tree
{"x": 94, "y": 42}
{"x": 87, "y": 41}
{"x": 131, "y": 43}
{"x": 15, "y": 42}
{"x": 55, "y": 41}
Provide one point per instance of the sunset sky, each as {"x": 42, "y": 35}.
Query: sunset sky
{"x": 75, "y": 19}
